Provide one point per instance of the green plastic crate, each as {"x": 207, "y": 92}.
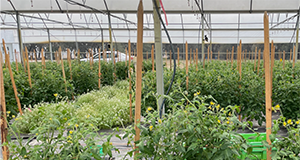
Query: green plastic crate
{"x": 259, "y": 151}
{"x": 100, "y": 150}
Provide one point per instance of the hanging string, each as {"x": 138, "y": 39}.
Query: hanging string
{"x": 162, "y": 6}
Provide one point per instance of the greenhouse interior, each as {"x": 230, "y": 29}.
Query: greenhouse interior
{"x": 150, "y": 79}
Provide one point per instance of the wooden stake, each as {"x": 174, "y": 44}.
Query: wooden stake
{"x": 99, "y": 68}
{"x": 24, "y": 59}
{"x": 268, "y": 80}
{"x": 17, "y": 67}
{"x": 129, "y": 75}
{"x": 196, "y": 59}
{"x": 255, "y": 58}
{"x": 147, "y": 55}
{"x": 5, "y": 151}
{"x": 152, "y": 57}
{"x": 283, "y": 64}
{"x": 28, "y": 68}
{"x": 294, "y": 57}
{"x": 186, "y": 66}
{"x": 240, "y": 69}
{"x": 43, "y": 59}
{"x": 191, "y": 58}
{"x": 208, "y": 55}
{"x": 258, "y": 62}
{"x": 178, "y": 56}
{"x": 226, "y": 57}
{"x": 104, "y": 56}
{"x": 30, "y": 57}
{"x": 12, "y": 78}
{"x": 194, "y": 53}
{"x": 69, "y": 61}
{"x": 62, "y": 68}
{"x": 78, "y": 55}
{"x": 90, "y": 59}
{"x": 139, "y": 71}
{"x": 35, "y": 56}
{"x": 232, "y": 51}
{"x": 290, "y": 55}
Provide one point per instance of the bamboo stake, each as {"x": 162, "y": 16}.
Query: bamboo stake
{"x": 35, "y": 56}
{"x": 113, "y": 56}
{"x": 147, "y": 55}
{"x": 267, "y": 83}
{"x": 178, "y": 56}
{"x": 30, "y": 57}
{"x": 104, "y": 55}
{"x": 43, "y": 59}
{"x": 186, "y": 65}
{"x": 294, "y": 57}
{"x": 99, "y": 69}
{"x": 283, "y": 64}
{"x": 196, "y": 59}
{"x": 62, "y": 68}
{"x": 290, "y": 55}
{"x": 258, "y": 61}
{"x": 28, "y": 68}
{"x": 139, "y": 71}
{"x": 1, "y": 58}
{"x": 78, "y": 55}
{"x": 226, "y": 57}
{"x": 152, "y": 57}
{"x": 232, "y": 51}
{"x": 5, "y": 151}
{"x": 90, "y": 59}
{"x": 17, "y": 67}
{"x": 191, "y": 52}
{"x": 23, "y": 55}
{"x": 208, "y": 55}
{"x": 69, "y": 61}
{"x": 240, "y": 69}
{"x": 279, "y": 55}
{"x": 12, "y": 78}
{"x": 255, "y": 58}
{"x": 194, "y": 53}
{"x": 126, "y": 54}
{"x": 129, "y": 75}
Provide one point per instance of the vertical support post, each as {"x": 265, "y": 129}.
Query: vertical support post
{"x": 267, "y": 82}
{"x": 297, "y": 36}
{"x": 129, "y": 76}
{"x": 110, "y": 36}
{"x": 186, "y": 65}
{"x": 102, "y": 40}
{"x": 5, "y": 152}
{"x": 76, "y": 43}
{"x": 139, "y": 71}
{"x": 202, "y": 22}
{"x": 232, "y": 51}
{"x": 50, "y": 46}
{"x": 20, "y": 38}
{"x": 158, "y": 55}
{"x": 255, "y": 58}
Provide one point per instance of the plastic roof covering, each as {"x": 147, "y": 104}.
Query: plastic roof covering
{"x": 183, "y": 17}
